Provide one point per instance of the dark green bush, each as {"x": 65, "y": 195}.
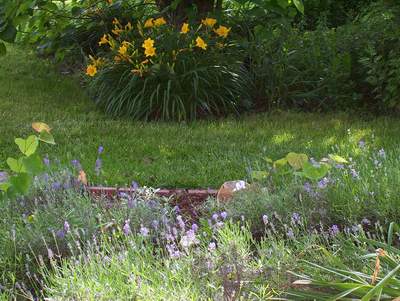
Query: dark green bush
{"x": 351, "y": 67}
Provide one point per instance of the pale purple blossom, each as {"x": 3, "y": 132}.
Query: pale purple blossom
{"x": 134, "y": 185}
{"x": 224, "y": 214}
{"x": 365, "y": 221}
{"x": 155, "y": 223}
{"x": 195, "y": 227}
{"x": 144, "y": 231}
{"x": 189, "y": 239}
{"x": 46, "y": 160}
{"x": 60, "y": 234}
{"x": 56, "y": 186}
{"x": 290, "y": 234}
{"x": 50, "y": 253}
{"x": 265, "y": 219}
{"x": 173, "y": 251}
{"x": 307, "y": 188}
{"x": 215, "y": 216}
{"x": 382, "y": 153}
{"x": 75, "y": 163}
{"x": 361, "y": 143}
{"x": 295, "y": 218}
{"x": 66, "y": 227}
{"x": 323, "y": 183}
{"x": 97, "y": 167}
{"x": 126, "y": 228}
{"x": 211, "y": 246}
{"x": 354, "y": 173}
{"x": 181, "y": 223}
{"x": 339, "y": 166}
{"x": 100, "y": 150}
{"x": 334, "y": 230}
{"x": 3, "y": 176}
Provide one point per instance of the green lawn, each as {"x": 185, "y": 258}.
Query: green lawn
{"x": 202, "y": 154}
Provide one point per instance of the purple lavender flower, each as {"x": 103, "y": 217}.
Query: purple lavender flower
{"x": 97, "y": 167}
{"x": 195, "y": 227}
{"x": 177, "y": 209}
{"x": 46, "y": 160}
{"x": 134, "y": 185}
{"x": 382, "y": 153}
{"x": 295, "y": 218}
{"x": 323, "y": 183}
{"x": 173, "y": 251}
{"x": 66, "y": 227}
{"x": 334, "y": 230}
{"x": 215, "y": 216}
{"x": 219, "y": 224}
{"x": 315, "y": 163}
{"x": 265, "y": 219}
{"x": 100, "y": 150}
{"x": 50, "y": 253}
{"x": 155, "y": 223}
{"x": 56, "y": 186}
{"x": 144, "y": 231}
{"x": 290, "y": 234}
{"x": 189, "y": 239}
{"x": 339, "y": 166}
{"x": 76, "y": 164}
{"x": 181, "y": 223}
{"x": 361, "y": 143}
{"x": 354, "y": 173}
{"x": 211, "y": 246}
{"x": 3, "y": 176}
{"x": 126, "y": 228}
{"x": 307, "y": 188}
{"x": 224, "y": 214}
{"x": 60, "y": 234}
{"x": 365, "y": 222}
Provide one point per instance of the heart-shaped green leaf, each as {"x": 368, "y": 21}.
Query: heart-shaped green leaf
{"x": 314, "y": 172}
{"x": 33, "y": 164}
{"x": 46, "y": 137}
{"x": 16, "y": 165}
{"x": 27, "y": 146}
{"x": 338, "y": 159}
{"x": 280, "y": 163}
{"x": 297, "y": 160}
{"x": 21, "y": 183}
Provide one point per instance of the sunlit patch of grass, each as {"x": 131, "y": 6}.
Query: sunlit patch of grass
{"x": 200, "y": 154}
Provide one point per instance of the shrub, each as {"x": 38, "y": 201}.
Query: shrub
{"x": 161, "y": 72}
{"x": 346, "y": 68}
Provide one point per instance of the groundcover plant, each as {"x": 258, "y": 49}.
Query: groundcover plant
{"x": 269, "y": 241}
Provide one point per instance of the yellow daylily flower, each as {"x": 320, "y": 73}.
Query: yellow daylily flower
{"x": 150, "y": 51}
{"x": 222, "y": 31}
{"x": 209, "y": 22}
{"x": 91, "y": 70}
{"x": 117, "y": 31}
{"x": 185, "y": 28}
{"x": 149, "y": 23}
{"x": 200, "y": 43}
{"x": 123, "y": 50}
{"x": 104, "y": 40}
{"x": 148, "y": 43}
{"x": 128, "y": 26}
{"x": 159, "y": 21}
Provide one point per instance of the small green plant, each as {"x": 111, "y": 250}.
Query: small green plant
{"x": 30, "y": 164}
{"x": 382, "y": 283}
{"x": 298, "y": 165}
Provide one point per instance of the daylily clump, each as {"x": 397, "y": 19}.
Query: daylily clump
{"x": 155, "y": 43}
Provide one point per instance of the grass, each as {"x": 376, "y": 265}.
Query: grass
{"x": 200, "y": 154}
